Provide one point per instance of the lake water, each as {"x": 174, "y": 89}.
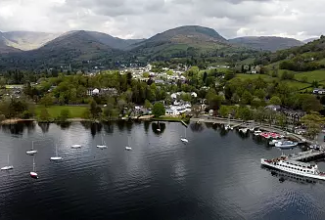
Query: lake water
{"x": 216, "y": 176}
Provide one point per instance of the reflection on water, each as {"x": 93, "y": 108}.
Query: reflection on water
{"x": 19, "y": 128}
{"x": 285, "y": 176}
{"x": 158, "y": 127}
{"x": 44, "y": 126}
{"x": 197, "y": 127}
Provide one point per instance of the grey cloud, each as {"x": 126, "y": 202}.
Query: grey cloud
{"x": 143, "y": 18}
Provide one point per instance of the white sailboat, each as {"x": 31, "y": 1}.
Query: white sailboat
{"x": 103, "y": 146}
{"x": 76, "y": 146}
{"x": 33, "y": 173}
{"x": 228, "y": 127}
{"x": 8, "y": 167}
{"x": 184, "y": 140}
{"x": 32, "y": 151}
{"x": 127, "y": 147}
{"x": 56, "y": 153}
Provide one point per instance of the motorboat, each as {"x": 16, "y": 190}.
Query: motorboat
{"x": 128, "y": 148}
{"x": 158, "y": 130}
{"x": 76, "y": 146}
{"x": 294, "y": 167}
{"x": 285, "y": 144}
{"x": 32, "y": 151}
{"x": 56, "y": 158}
{"x": 8, "y": 167}
{"x": 257, "y": 133}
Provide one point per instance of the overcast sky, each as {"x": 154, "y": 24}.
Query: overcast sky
{"x": 300, "y": 19}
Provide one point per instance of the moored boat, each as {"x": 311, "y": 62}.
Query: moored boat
{"x": 294, "y": 167}
{"x": 286, "y": 144}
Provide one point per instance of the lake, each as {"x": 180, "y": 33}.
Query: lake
{"x": 217, "y": 175}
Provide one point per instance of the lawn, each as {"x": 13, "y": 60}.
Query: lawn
{"x": 54, "y": 111}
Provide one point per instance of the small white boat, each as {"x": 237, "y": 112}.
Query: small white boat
{"x": 286, "y": 144}
{"x": 128, "y": 148}
{"x": 184, "y": 140}
{"x": 76, "y": 146}
{"x": 257, "y": 133}
{"x": 274, "y": 141}
{"x": 8, "y": 167}
{"x": 103, "y": 145}
{"x": 158, "y": 130}
{"x": 243, "y": 130}
{"x": 228, "y": 127}
{"x": 32, "y": 151}
{"x": 56, "y": 158}
{"x": 33, "y": 173}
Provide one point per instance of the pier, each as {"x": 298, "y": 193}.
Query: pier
{"x": 307, "y": 155}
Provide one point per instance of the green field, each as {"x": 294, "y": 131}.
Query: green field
{"x": 54, "y": 111}
{"x": 318, "y": 75}
{"x": 267, "y": 78}
{"x": 253, "y": 76}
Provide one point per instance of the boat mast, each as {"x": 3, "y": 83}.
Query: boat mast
{"x": 185, "y": 132}
{"x": 33, "y": 165}
{"x": 8, "y": 160}
{"x": 56, "y": 149}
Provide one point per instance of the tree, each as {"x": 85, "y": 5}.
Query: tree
{"x": 275, "y": 100}
{"x": 256, "y": 102}
{"x": 310, "y": 103}
{"x": 260, "y": 93}
{"x": 158, "y": 109}
{"x": 94, "y": 109}
{"x": 246, "y": 98}
{"x": 314, "y": 122}
{"x": 244, "y": 113}
{"x": 281, "y": 120}
{"x": 224, "y": 111}
{"x": 44, "y": 115}
{"x": 235, "y": 98}
{"x": 64, "y": 115}
{"x": 147, "y": 104}
{"x": 47, "y": 100}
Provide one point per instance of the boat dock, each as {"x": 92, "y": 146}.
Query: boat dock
{"x": 307, "y": 155}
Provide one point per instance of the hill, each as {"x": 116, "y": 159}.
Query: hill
{"x": 267, "y": 43}
{"x": 113, "y": 42}
{"x": 73, "y": 48}
{"x": 28, "y": 40}
{"x": 310, "y": 39}
{"x": 4, "y": 48}
{"x": 180, "y": 42}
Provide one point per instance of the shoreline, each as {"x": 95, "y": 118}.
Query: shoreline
{"x": 13, "y": 121}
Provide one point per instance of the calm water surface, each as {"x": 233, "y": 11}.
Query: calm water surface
{"x": 216, "y": 176}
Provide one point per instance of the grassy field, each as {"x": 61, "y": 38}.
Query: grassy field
{"x": 318, "y": 75}
{"x": 54, "y": 111}
{"x": 254, "y": 76}
{"x": 267, "y": 78}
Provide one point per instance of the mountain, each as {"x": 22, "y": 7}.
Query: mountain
{"x": 310, "y": 39}
{"x": 28, "y": 40}
{"x": 75, "y": 47}
{"x": 268, "y": 43}
{"x": 180, "y": 42}
{"x": 113, "y": 42}
{"x": 4, "y": 48}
